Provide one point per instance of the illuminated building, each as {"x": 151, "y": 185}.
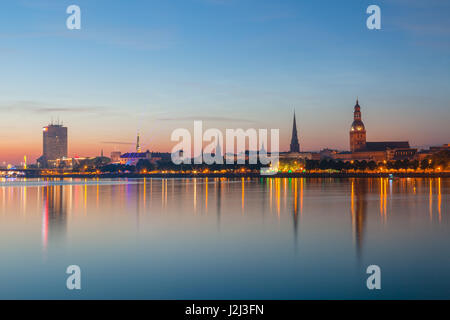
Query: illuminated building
{"x": 115, "y": 156}
{"x": 54, "y": 143}
{"x": 132, "y": 158}
{"x": 360, "y": 149}
{"x": 444, "y": 147}
{"x": 357, "y": 131}
{"x": 424, "y": 154}
{"x": 327, "y": 154}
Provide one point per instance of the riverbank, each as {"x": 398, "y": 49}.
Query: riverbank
{"x": 254, "y": 175}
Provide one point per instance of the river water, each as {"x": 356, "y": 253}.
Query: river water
{"x": 218, "y": 238}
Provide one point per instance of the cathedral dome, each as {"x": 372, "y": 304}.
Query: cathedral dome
{"x": 357, "y": 125}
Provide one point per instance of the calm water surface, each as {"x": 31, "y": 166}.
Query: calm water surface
{"x": 225, "y": 239}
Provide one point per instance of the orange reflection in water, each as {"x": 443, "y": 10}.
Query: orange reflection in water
{"x": 439, "y": 199}
{"x": 278, "y": 195}
{"x": 383, "y": 199}
{"x": 242, "y": 194}
{"x": 431, "y": 200}
{"x": 206, "y": 195}
{"x": 54, "y": 204}
{"x": 270, "y": 194}
{"x": 295, "y": 197}
{"x": 301, "y": 196}
{"x": 195, "y": 195}
{"x": 352, "y": 210}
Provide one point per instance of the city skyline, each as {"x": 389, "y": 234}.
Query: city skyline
{"x": 158, "y": 68}
{"x": 225, "y": 156}
{"x": 127, "y": 146}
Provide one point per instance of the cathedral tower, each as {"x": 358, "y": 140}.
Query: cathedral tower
{"x": 357, "y": 131}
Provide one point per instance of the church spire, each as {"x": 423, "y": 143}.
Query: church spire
{"x": 357, "y": 111}
{"x": 218, "y": 148}
{"x": 138, "y": 145}
{"x": 295, "y": 147}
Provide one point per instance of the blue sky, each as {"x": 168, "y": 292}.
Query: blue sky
{"x": 155, "y": 66}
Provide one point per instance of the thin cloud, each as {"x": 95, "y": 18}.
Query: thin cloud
{"x": 430, "y": 29}
{"x": 151, "y": 39}
{"x": 118, "y": 143}
{"x": 203, "y": 118}
{"x": 422, "y": 18}
{"x": 43, "y": 107}
{"x": 73, "y": 109}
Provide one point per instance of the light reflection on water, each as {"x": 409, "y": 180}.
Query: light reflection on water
{"x": 225, "y": 238}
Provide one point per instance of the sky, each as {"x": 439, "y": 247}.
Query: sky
{"x": 155, "y": 66}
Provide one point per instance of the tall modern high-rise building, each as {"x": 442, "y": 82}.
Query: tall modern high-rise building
{"x": 295, "y": 146}
{"x": 54, "y": 142}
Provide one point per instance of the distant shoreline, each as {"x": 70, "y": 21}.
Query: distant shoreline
{"x": 252, "y": 175}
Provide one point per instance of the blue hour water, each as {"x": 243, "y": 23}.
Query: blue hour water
{"x": 214, "y": 238}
